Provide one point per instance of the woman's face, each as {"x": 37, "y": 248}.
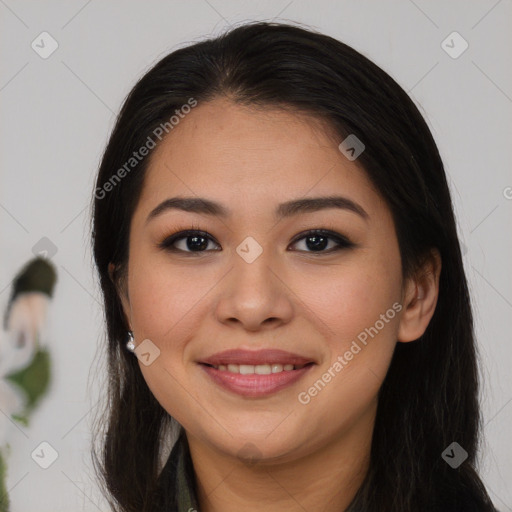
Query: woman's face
{"x": 257, "y": 281}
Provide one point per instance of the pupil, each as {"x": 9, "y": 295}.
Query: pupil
{"x": 319, "y": 242}
{"x": 197, "y": 242}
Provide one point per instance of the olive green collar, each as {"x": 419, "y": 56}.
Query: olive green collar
{"x": 184, "y": 483}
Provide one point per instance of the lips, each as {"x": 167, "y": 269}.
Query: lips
{"x": 256, "y": 373}
{"x": 256, "y": 357}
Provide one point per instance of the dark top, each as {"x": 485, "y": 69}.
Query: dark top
{"x": 176, "y": 483}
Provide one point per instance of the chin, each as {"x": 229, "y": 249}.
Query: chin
{"x": 252, "y": 447}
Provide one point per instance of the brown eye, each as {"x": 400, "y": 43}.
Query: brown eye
{"x": 190, "y": 240}
{"x": 319, "y": 239}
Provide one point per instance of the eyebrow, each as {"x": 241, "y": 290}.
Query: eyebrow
{"x": 288, "y": 209}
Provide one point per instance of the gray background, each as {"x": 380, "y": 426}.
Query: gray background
{"x": 56, "y": 117}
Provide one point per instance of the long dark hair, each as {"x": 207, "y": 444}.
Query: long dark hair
{"x": 429, "y": 397}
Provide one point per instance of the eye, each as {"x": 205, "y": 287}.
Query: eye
{"x": 317, "y": 240}
{"x": 191, "y": 240}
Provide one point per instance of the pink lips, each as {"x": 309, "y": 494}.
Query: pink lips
{"x": 255, "y": 385}
{"x": 263, "y": 356}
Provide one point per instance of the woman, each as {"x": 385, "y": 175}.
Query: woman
{"x": 284, "y": 289}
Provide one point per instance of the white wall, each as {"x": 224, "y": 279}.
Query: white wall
{"x": 56, "y": 116}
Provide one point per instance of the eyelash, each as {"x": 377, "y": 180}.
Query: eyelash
{"x": 183, "y": 233}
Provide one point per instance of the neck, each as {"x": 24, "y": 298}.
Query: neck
{"x": 326, "y": 479}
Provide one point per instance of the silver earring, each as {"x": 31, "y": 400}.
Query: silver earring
{"x": 130, "y": 345}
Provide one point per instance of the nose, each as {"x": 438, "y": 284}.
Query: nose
{"x": 255, "y": 296}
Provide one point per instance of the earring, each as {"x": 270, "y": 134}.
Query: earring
{"x": 130, "y": 345}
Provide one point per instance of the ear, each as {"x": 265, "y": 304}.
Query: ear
{"x": 122, "y": 292}
{"x": 421, "y": 293}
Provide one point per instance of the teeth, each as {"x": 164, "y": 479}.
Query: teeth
{"x": 276, "y": 368}
{"x": 246, "y": 369}
{"x": 259, "y": 369}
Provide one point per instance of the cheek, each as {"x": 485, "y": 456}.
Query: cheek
{"x": 346, "y": 302}
{"x": 362, "y": 327}
{"x": 163, "y": 297}
{"x": 357, "y": 310}
{"x": 165, "y": 307}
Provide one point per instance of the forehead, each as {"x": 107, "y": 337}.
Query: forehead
{"x": 222, "y": 149}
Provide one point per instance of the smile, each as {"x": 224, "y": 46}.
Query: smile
{"x": 255, "y": 385}
{"x": 255, "y": 373}
{"x": 259, "y": 369}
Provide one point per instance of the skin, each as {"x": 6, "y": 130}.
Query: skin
{"x": 272, "y": 453}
